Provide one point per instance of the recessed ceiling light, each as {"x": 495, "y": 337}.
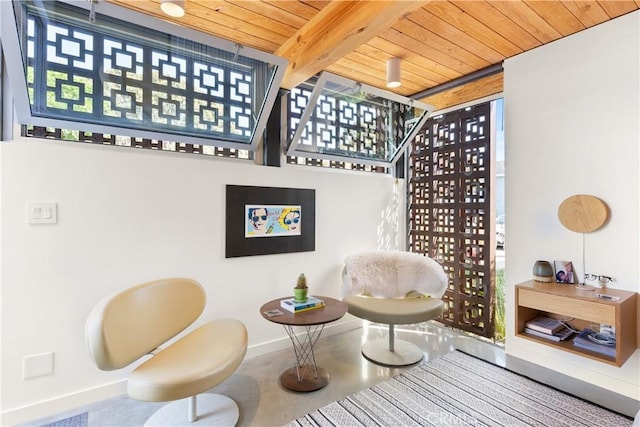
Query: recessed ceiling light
{"x": 174, "y": 8}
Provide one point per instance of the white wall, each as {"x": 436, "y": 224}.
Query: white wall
{"x": 572, "y": 126}
{"x": 127, "y": 216}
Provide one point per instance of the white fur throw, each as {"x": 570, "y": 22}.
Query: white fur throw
{"x": 392, "y": 274}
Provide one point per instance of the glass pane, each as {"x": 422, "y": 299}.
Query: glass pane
{"x": 118, "y": 74}
{"x": 345, "y": 120}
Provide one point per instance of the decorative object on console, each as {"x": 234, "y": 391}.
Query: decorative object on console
{"x": 301, "y": 289}
{"x": 564, "y": 272}
{"x": 602, "y": 279}
{"x": 542, "y": 271}
{"x": 583, "y": 213}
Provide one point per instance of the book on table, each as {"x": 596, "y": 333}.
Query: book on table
{"x": 545, "y": 325}
{"x": 290, "y": 304}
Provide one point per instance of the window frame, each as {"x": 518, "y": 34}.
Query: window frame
{"x": 16, "y": 72}
{"x": 296, "y": 148}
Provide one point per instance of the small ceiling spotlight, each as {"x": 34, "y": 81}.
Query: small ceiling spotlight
{"x": 393, "y": 72}
{"x": 173, "y": 8}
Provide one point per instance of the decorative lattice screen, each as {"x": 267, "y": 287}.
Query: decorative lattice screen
{"x": 450, "y": 210}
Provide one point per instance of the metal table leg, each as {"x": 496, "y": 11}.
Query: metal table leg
{"x": 306, "y": 375}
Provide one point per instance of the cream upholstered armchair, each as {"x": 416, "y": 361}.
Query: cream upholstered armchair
{"x": 134, "y": 323}
{"x": 394, "y": 288}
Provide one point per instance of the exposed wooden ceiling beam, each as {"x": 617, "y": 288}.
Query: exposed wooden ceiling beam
{"x": 467, "y": 92}
{"x": 337, "y": 30}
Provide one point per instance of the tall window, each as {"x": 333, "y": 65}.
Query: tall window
{"x": 450, "y": 211}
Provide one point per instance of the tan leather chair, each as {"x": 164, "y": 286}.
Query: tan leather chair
{"x": 394, "y": 288}
{"x": 134, "y": 323}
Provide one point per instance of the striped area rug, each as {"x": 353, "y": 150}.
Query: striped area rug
{"x": 79, "y": 420}
{"x": 461, "y": 390}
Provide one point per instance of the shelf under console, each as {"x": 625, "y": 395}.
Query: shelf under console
{"x": 582, "y": 309}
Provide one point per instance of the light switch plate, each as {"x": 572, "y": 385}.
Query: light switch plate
{"x": 37, "y": 365}
{"x": 42, "y": 212}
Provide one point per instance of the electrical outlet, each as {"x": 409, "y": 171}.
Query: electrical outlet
{"x": 37, "y": 365}
{"x": 607, "y": 329}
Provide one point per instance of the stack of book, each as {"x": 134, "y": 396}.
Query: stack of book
{"x": 548, "y": 328}
{"x": 588, "y": 339}
{"x": 290, "y": 304}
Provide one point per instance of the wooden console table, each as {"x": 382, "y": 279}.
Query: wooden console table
{"x": 584, "y": 308}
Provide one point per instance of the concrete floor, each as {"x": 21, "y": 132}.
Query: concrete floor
{"x": 350, "y": 371}
{"x": 263, "y": 402}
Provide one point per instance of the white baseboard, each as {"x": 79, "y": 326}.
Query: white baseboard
{"x": 622, "y": 380}
{"x": 60, "y": 404}
{"x": 71, "y": 401}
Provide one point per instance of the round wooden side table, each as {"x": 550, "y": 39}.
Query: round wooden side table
{"x": 306, "y": 375}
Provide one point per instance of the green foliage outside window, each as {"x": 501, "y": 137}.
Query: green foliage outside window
{"x": 499, "y": 333}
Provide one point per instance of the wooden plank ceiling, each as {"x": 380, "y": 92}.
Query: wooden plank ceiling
{"x": 439, "y": 41}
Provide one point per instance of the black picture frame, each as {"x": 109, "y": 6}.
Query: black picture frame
{"x": 238, "y": 197}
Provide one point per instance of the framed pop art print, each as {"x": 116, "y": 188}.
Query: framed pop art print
{"x": 269, "y": 220}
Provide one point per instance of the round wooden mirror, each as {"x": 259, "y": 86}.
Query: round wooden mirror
{"x": 583, "y": 213}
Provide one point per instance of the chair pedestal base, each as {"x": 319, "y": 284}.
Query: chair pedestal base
{"x": 212, "y": 410}
{"x": 404, "y": 353}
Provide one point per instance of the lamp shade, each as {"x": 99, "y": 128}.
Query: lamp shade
{"x": 174, "y": 8}
{"x": 393, "y": 72}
